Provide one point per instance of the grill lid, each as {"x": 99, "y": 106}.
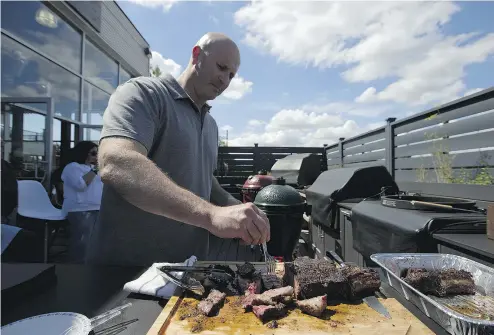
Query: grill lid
{"x": 258, "y": 181}
{"x": 280, "y": 196}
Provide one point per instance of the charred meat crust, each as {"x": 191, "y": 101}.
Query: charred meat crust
{"x": 270, "y": 281}
{"x": 441, "y": 283}
{"x": 246, "y": 270}
{"x": 312, "y": 277}
{"x": 362, "y": 282}
{"x": 212, "y": 304}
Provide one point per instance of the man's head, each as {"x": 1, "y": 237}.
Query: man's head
{"x": 214, "y": 62}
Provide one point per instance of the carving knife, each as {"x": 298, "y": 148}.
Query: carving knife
{"x": 376, "y": 305}
{"x": 371, "y": 301}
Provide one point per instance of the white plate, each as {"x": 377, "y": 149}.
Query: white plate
{"x": 50, "y": 324}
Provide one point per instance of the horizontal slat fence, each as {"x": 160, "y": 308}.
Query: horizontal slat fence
{"x": 241, "y": 162}
{"x": 449, "y": 144}
{"x": 450, "y": 147}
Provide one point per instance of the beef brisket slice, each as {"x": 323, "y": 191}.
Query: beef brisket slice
{"x": 452, "y": 282}
{"x": 441, "y": 283}
{"x": 271, "y": 297}
{"x": 266, "y": 313}
{"x": 312, "y": 277}
{"x": 212, "y": 304}
{"x": 313, "y": 306}
{"x": 361, "y": 282}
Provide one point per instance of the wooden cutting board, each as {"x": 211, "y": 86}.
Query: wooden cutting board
{"x": 339, "y": 318}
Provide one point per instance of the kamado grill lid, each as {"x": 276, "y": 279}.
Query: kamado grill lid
{"x": 280, "y": 197}
{"x": 258, "y": 181}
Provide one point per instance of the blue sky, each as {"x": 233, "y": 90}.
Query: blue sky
{"x": 312, "y": 72}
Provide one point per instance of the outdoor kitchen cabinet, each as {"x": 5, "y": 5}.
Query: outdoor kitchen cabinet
{"x": 317, "y": 239}
{"x": 349, "y": 253}
{"x": 333, "y": 238}
{"x": 476, "y": 247}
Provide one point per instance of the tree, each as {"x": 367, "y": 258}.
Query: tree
{"x": 156, "y": 71}
{"x": 222, "y": 143}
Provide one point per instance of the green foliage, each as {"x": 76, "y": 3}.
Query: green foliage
{"x": 443, "y": 167}
{"x": 156, "y": 72}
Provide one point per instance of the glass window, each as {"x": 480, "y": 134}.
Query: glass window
{"x": 26, "y": 74}
{"x": 124, "y": 75}
{"x": 99, "y": 68}
{"x": 94, "y": 104}
{"x": 92, "y": 135}
{"x": 34, "y": 23}
{"x": 23, "y": 141}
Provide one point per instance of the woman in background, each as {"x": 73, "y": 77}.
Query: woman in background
{"x": 82, "y": 190}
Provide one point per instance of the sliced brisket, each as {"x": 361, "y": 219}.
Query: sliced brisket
{"x": 266, "y": 313}
{"x": 271, "y": 297}
{"x": 212, "y": 304}
{"x": 441, "y": 283}
{"x": 313, "y": 306}
{"x": 362, "y": 282}
{"x": 313, "y": 277}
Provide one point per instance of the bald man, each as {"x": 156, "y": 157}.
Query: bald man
{"x": 158, "y": 151}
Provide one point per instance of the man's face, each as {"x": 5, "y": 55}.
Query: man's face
{"x": 215, "y": 69}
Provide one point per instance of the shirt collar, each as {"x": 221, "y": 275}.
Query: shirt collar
{"x": 177, "y": 91}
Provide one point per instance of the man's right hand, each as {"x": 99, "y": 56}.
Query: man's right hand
{"x": 244, "y": 221}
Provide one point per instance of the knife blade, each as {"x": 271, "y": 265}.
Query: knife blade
{"x": 376, "y": 305}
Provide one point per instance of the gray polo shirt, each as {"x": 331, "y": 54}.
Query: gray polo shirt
{"x": 183, "y": 142}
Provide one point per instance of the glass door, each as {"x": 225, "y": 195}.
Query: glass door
{"x": 26, "y": 132}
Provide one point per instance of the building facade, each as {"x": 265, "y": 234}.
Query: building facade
{"x": 61, "y": 61}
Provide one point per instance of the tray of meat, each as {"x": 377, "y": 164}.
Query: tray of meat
{"x": 303, "y": 296}
{"x": 454, "y": 291}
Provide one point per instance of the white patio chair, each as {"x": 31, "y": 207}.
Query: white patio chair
{"x": 34, "y": 203}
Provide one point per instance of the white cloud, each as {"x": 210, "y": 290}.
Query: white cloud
{"x": 402, "y": 41}
{"x": 255, "y": 123}
{"x": 472, "y": 91}
{"x": 166, "y": 65}
{"x": 226, "y": 128}
{"x": 166, "y": 5}
{"x": 296, "y": 127}
{"x": 369, "y": 95}
{"x": 238, "y": 88}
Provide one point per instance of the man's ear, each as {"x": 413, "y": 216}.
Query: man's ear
{"x": 196, "y": 51}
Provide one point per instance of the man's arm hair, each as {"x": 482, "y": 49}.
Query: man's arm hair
{"x": 220, "y": 197}
{"x": 125, "y": 167}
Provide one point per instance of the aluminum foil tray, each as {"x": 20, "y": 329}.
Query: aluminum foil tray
{"x": 471, "y": 315}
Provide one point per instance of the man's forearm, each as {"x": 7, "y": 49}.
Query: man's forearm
{"x": 139, "y": 181}
{"x": 220, "y": 197}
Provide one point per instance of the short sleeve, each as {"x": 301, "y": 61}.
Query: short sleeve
{"x": 133, "y": 113}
